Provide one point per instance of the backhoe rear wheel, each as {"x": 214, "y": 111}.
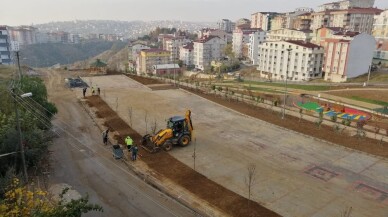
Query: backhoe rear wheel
{"x": 167, "y": 146}
{"x": 184, "y": 140}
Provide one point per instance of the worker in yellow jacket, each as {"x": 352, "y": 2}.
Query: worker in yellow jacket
{"x": 129, "y": 142}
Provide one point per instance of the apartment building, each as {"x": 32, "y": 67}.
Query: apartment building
{"x": 208, "y": 49}
{"x": 134, "y": 50}
{"x": 5, "y": 47}
{"x": 151, "y": 57}
{"x": 255, "y": 39}
{"x": 325, "y": 32}
{"x": 341, "y": 5}
{"x": 296, "y": 60}
{"x": 262, "y": 20}
{"x": 226, "y": 25}
{"x": 352, "y": 19}
{"x": 380, "y": 32}
{"x": 187, "y": 54}
{"x": 279, "y": 22}
{"x": 24, "y": 35}
{"x": 347, "y": 55}
{"x": 303, "y": 22}
{"x": 173, "y": 44}
{"x": 289, "y": 34}
{"x": 241, "y": 41}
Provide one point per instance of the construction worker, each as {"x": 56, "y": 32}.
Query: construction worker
{"x": 92, "y": 90}
{"x": 134, "y": 152}
{"x": 129, "y": 143}
{"x": 84, "y": 91}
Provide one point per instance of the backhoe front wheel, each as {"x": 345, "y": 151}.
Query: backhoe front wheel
{"x": 167, "y": 146}
{"x": 184, "y": 140}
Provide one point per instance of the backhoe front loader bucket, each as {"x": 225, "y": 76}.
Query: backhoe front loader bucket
{"x": 148, "y": 145}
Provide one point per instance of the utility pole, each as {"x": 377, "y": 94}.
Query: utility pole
{"x": 369, "y": 69}
{"x": 20, "y": 139}
{"x": 20, "y": 70}
{"x": 285, "y": 92}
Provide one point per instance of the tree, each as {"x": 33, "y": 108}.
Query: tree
{"x": 228, "y": 51}
{"x": 21, "y": 201}
{"x": 250, "y": 180}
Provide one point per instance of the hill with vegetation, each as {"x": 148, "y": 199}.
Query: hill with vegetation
{"x": 48, "y": 54}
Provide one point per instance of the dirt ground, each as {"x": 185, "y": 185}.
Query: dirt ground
{"x": 381, "y": 95}
{"x": 220, "y": 197}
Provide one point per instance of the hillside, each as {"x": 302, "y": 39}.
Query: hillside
{"x": 114, "y": 57}
{"x": 48, "y": 54}
{"x": 375, "y": 77}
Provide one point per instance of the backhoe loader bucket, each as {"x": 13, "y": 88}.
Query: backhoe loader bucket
{"x": 148, "y": 145}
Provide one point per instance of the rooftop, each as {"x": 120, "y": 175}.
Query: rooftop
{"x": 154, "y": 50}
{"x": 303, "y": 44}
{"x": 189, "y": 46}
{"x": 347, "y": 33}
{"x": 206, "y": 39}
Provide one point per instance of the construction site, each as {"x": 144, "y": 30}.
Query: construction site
{"x": 300, "y": 169}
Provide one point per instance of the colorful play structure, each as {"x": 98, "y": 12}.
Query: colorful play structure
{"x": 329, "y": 110}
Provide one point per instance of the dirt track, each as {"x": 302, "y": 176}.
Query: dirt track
{"x": 168, "y": 166}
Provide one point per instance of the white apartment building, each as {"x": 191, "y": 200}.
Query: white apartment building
{"x": 5, "y": 47}
{"x": 256, "y": 39}
{"x": 380, "y": 32}
{"x": 347, "y": 55}
{"x": 262, "y": 20}
{"x": 241, "y": 41}
{"x": 340, "y": 5}
{"x": 302, "y": 62}
{"x": 173, "y": 45}
{"x": 289, "y": 34}
{"x": 208, "y": 49}
{"x": 186, "y": 54}
{"x": 134, "y": 50}
{"x": 353, "y": 19}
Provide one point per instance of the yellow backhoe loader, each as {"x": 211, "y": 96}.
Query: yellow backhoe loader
{"x": 178, "y": 132}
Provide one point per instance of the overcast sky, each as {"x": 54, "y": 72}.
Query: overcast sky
{"x": 26, "y": 12}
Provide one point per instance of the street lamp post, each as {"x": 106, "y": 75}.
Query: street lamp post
{"x": 285, "y": 86}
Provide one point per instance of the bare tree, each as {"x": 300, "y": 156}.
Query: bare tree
{"x": 130, "y": 113}
{"x": 154, "y": 126}
{"x": 250, "y": 180}
{"x": 347, "y": 212}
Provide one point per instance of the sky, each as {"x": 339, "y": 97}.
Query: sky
{"x": 27, "y": 12}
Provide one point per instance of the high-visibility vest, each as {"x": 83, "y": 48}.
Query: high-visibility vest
{"x": 128, "y": 141}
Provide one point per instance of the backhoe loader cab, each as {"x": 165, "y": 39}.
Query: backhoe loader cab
{"x": 178, "y": 132}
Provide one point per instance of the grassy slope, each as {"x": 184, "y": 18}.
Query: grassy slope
{"x": 48, "y": 54}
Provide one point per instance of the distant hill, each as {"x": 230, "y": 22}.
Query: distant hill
{"x": 48, "y": 54}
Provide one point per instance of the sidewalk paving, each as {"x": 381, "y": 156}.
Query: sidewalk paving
{"x": 297, "y": 175}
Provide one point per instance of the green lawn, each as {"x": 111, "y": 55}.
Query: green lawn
{"x": 293, "y": 86}
{"x": 372, "y": 101}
